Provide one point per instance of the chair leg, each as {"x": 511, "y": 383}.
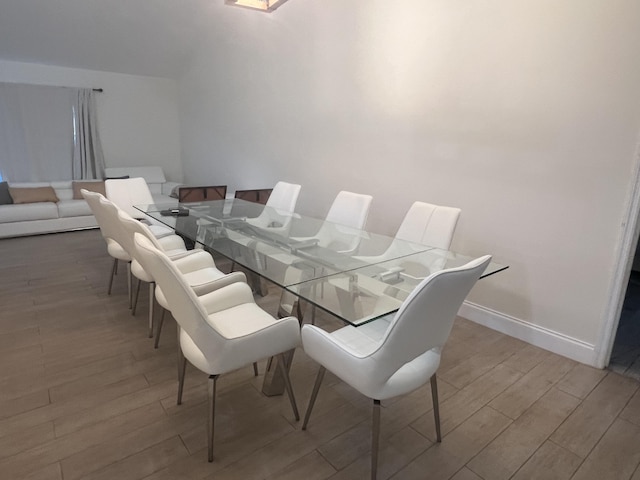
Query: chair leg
{"x": 114, "y": 270}
{"x": 130, "y": 284}
{"x": 375, "y": 439}
{"x": 282, "y": 363}
{"x": 152, "y": 287}
{"x": 135, "y": 300}
{"x": 314, "y": 394}
{"x": 182, "y": 367}
{"x": 159, "y": 328}
{"x": 212, "y": 414}
{"x": 436, "y": 406}
{"x": 255, "y": 369}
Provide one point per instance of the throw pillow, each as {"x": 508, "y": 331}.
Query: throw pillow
{"x": 5, "y": 197}
{"x": 97, "y": 186}
{"x": 33, "y": 195}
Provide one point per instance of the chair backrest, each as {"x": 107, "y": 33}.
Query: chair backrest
{"x": 284, "y": 196}
{"x": 426, "y": 317}
{"x": 429, "y": 224}
{"x": 202, "y": 194}
{"x": 350, "y": 209}
{"x": 184, "y": 304}
{"x": 119, "y": 234}
{"x": 127, "y": 192}
{"x": 131, "y": 226}
{"x": 93, "y": 200}
{"x": 278, "y": 209}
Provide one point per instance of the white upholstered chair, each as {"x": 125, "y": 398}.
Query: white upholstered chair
{"x": 115, "y": 250}
{"x": 172, "y": 243}
{"x": 197, "y": 266}
{"x": 347, "y": 210}
{"x": 384, "y": 363}
{"x": 128, "y": 192}
{"x": 429, "y": 224}
{"x": 423, "y": 224}
{"x": 220, "y": 331}
{"x": 277, "y": 215}
{"x": 340, "y": 232}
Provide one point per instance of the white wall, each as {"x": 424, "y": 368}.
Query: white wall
{"x": 138, "y": 116}
{"x": 525, "y": 114}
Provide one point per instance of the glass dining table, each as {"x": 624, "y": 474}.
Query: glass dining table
{"x": 354, "y": 275}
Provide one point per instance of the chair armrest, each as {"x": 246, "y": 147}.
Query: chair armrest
{"x": 227, "y": 297}
{"x": 193, "y": 261}
{"x": 172, "y": 242}
{"x": 213, "y": 285}
{"x": 321, "y": 345}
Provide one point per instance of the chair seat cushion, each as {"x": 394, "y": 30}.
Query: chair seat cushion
{"x": 160, "y": 231}
{"x": 241, "y": 320}
{"x": 364, "y": 339}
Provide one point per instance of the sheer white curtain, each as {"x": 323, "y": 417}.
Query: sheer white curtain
{"x": 39, "y": 137}
{"x": 88, "y": 161}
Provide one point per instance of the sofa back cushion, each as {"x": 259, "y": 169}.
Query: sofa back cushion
{"x": 33, "y": 194}
{"x": 5, "y": 196}
{"x": 154, "y": 176}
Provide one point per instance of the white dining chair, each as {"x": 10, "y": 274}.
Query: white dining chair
{"x": 126, "y": 193}
{"x": 278, "y": 212}
{"x": 220, "y": 331}
{"x": 340, "y": 231}
{"x": 197, "y": 266}
{"x": 392, "y": 361}
{"x": 348, "y": 210}
{"x": 114, "y": 249}
{"x": 424, "y": 224}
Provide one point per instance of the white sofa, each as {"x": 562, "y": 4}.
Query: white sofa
{"x": 45, "y": 217}
{"x": 71, "y": 214}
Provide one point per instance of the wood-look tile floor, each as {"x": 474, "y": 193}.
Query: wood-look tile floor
{"x": 83, "y": 395}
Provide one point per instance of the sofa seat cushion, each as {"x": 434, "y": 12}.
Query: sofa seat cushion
{"x": 73, "y": 208}
{"x": 28, "y": 211}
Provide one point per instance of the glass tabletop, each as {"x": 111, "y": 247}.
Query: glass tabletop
{"x": 365, "y": 294}
{"x": 283, "y": 247}
{"x": 355, "y": 275}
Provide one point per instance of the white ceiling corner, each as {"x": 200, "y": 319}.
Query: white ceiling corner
{"x": 152, "y": 37}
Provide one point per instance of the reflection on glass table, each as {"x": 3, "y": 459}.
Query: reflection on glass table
{"x": 364, "y": 294}
{"x": 311, "y": 258}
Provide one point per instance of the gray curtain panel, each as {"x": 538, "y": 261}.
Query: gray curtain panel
{"x": 88, "y": 160}
{"x": 36, "y": 133}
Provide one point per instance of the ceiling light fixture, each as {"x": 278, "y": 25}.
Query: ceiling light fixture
{"x": 263, "y": 5}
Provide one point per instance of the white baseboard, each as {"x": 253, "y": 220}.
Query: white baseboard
{"x": 540, "y": 337}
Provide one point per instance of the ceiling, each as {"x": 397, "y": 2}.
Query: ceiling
{"x": 140, "y": 37}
